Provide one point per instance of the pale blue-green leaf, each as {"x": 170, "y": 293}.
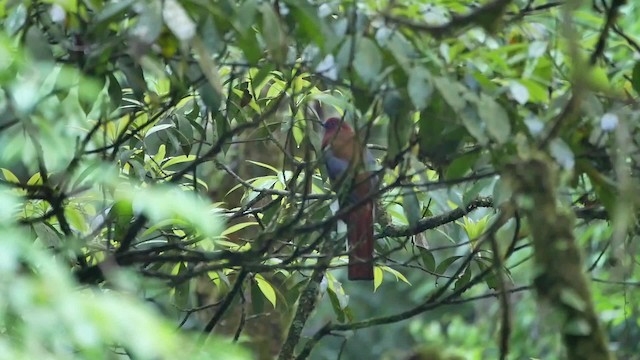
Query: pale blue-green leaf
{"x": 420, "y": 88}
{"x": 178, "y": 21}
{"x": 473, "y": 124}
{"x": 367, "y": 60}
{"x": 519, "y": 92}
{"x": 609, "y": 121}
{"x": 562, "y": 153}
{"x": 495, "y": 118}
{"x": 411, "y": 207}
{"x": 451, "y": 92}
{"x": 157, "y": 128}
{"x": 537, "y": 49}
{"x": 501, "y": 193}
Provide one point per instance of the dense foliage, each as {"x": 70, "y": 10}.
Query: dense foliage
{"x": 163, "y": 193}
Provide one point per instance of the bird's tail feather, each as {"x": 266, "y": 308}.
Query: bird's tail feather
{"x": 360, "y": 237}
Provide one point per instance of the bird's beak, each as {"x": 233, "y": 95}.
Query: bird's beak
{"x": 318, "y": 122}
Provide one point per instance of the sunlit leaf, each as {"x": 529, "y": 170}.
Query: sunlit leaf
{"x": 378, "y": 276}
{"x": 178, "y": 160}
{"x": 238, "y": 227}
{"x": 9, "y": 176}
{"x": 266, "y": 288}
{"x": 396, "y": 273}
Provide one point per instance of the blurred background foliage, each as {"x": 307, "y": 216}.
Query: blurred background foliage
{"x": 162, "y": 193}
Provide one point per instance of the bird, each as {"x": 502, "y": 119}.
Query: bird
{"x": 350, "y": 165}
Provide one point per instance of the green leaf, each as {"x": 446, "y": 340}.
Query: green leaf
{"x": 400, "y": 125}
{"x": 182, "y": 291}
{"x": 378, "y": 275}
{"x": 178, "y": 21}
{"x": 157, "y": 128}
{"x": 178, "y": 160}
{"x": 474, "y": 124}
{"x": 463, "y": 280}
{"x": 266, "y": 166}
{"x": 16, "y": 19}
{"x": 335, "y": 305}
{"x": 164, "y": 202}
{"x": 428, "y": 260}
{"x": 257, "y": 298}
{"x": 76, "y": 218}
{"x": 411, "y": 207}
{"x": 35, "y": 179}
{"x": 9, "y": 176}
{"x": 112, "y": 11}
{"x": 537, "y": 92}
{"x": 212, "y": 99}
{"x": 272, "y": 33}
{"x": 48, "y": 236}
{"x": 461, "y": 166}
{"x": 451, "y": 92}
{"x": 114, "y": 90}
{"x": 238, "y": 227}
{"x": 495, "y": 118}
{"x": 69, "y": 5}
{"x": 306, "y": 17}
{"x": 501, "y": 193}
{"x": 562, "y": 153}
{"x": 367, "y": 60}
{"x": 396, "y": 273}
{"x": 420, "y": 87}
{"x": 38, "y": 45}
{"x": 635, "y": 77}
{"x": 149, "y": 25}
{"x": 444, "y": 265}
{"x": 519, "y": 92}
{"x": 266, "y": 289}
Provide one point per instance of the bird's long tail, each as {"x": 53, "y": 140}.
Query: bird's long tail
{"x": 360, "y": 237}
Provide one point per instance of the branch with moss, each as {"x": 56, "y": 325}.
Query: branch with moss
{"x": 306, "y": 303}
{"x": 561, "y": 281}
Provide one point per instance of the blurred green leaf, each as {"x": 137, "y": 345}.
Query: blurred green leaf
{"x": 238, "y": 227}
{"x": 411, "y": 207}
{"x": 367, "y": 60}
{"x": 273, "y": 34}
{"x": 420, "y": 87}
{"x": 9, "y": 176}
{"x": 495, "y": 118}
{"x": 635, "y": 77}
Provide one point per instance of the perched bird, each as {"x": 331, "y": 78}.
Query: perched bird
{"x": 349, "y": 165}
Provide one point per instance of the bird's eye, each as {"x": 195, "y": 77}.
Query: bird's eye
{"x": 330, "y": 124}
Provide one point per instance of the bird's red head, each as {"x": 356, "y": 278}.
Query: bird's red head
{"x": 335, "y": 127}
